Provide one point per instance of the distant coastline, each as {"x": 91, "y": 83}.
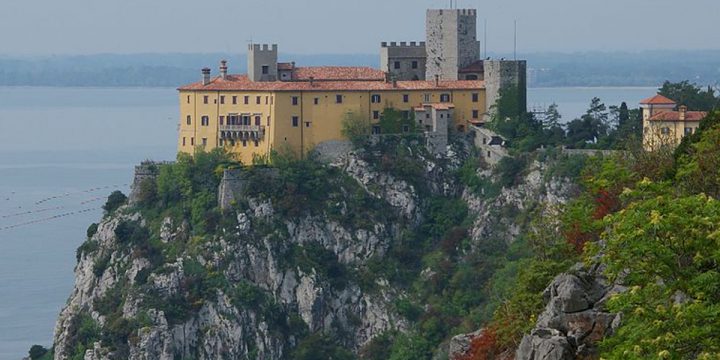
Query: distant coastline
{"x": 588, "y": 69}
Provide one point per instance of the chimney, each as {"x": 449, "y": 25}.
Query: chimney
{"x": 312, "y": 81}
{"x": 394, "y": 82}
{"x": 683, "y": 112}
{"x": 223, "y": 69}
{"x": 387, "y": 77}
{"x": 206, "y": 76}
{"x": 437, "y": 80}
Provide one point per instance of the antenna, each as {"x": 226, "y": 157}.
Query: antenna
{"x": 515, "y": 42}
{"x": 485, "y": 39}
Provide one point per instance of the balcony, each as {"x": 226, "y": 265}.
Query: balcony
{"x": 242, "y": 132}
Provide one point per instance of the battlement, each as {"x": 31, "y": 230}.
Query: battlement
{"x": 404, "y": 44}
{"x": 263, "y": 47}
{"x": 461, "y": 12}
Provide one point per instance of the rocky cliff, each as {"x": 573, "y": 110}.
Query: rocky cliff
{"x": 277, "y": 274}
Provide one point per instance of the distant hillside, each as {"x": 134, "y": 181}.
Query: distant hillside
{"x": 648, "y": 68}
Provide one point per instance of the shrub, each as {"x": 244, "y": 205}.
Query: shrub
{"x": 37, "y": 352}
{"x": 509, "y": 170}
{"x": 319, "y": 346}
{"x": 92, "y": 230}
{"x": 87, "y": 247}
{"x": 114, "y": 201}
{"x": 101, "y": 265}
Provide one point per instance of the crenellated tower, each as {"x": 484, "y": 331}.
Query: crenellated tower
{"x": 262, "y": 62}
{"x": 451, "y": 42}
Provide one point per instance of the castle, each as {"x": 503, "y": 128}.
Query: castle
{"x": 441, "y": 83}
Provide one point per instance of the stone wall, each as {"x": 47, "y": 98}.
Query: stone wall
{"x": 503, "y": 74}
{"x": 451, "y": 42}
{"x": 233, "y": 185}
{"x": 405, "y": 54}
{"x": 259, "y": 56}
{"x": 146, "y": 170}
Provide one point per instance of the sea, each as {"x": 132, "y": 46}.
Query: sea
{"x": 63, "y": 150}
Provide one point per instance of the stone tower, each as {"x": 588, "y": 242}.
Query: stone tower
{"x": 403, "y": 61}
{"x": 451, "y": 42}
{"x": 262, "y": 62}
{"x": 505, "y": 74}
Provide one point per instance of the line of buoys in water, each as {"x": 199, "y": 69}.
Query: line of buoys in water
{"x": 30, "y": 212}
{"x": 79, "y": 192}
{"x": 47, "y": 219}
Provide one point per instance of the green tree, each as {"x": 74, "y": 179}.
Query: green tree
{"x": 114, "y": 201}
{"x": 663, "y": 246}
{"x": 690, "y": 95}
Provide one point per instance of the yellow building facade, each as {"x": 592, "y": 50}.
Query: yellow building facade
{"x": 663, "y": 125}
{"x": 251, "y": 118}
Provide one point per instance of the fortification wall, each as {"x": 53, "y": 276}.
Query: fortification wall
{"x": 147, "y": 170}
{"x": 405, "y": 54}
{"x": 504, "y": 74}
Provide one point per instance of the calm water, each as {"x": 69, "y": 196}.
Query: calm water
{"x": 63, "y": 150}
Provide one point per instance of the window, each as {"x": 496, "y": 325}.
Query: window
{"x": 445, "y": 98}
{"x": 475, "y": 114}
{"x": 427, "y": 98}
{"x": 406, "y": 98}
{"x": 247, "y": 100}
{"x": 257, "y": 121}
{"x": 488, "y": 155}
{"x": 204, "y": 141}
{"x": 316, "y": 101}
{"x": 222, "y": 142}
{"x": 295, "y": 121}
{"x": 405, "y": 114}
{"x": 376, "y": 129}
{"x": 244, "y": 143}
{"x": 258, "y": 100}
{"x": 415, "y": 64}
{"x": 189, "y": 120}
{"x": 665, "y": 131}
{"x": 246, "y": 120}
{"x": 307, "y": 124}
{"x": 375, "y": 99}
{"x": 397, "y": 65}
{"x": 192, "y": 141}
{"x": 406, "y": 128}
{"x": 268, "y": 121}
{"x": 475, "y": 97}
{"x": 257, "y": 143}
{"x": 183, "y": 141}
{"x": 338, "y": 99}
{"x": 222, "y": 99}
{"x": 295, "y": 100}
{"x": 265, "y": 69}
{"x": 376, "y": 115}
{"x": 222, "y": 120}
{"x": 267, "y": 100}
{"x": 205, "y": 121}
{"x": 205, "y": 99}
{"x": 234, "y": 100}
{"x": 188, "y": 99}
{"x": 688, "y": 130}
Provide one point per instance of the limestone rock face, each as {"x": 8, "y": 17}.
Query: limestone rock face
{"x": 574, "y": 319}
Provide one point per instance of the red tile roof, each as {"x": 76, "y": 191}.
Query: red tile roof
{"x": 242, "y": 83}
{"x": 323, "y": 73}
{"x": 675, "y": 116}
{"x": 657, "y": 100}
{"x": 286, "y": 66}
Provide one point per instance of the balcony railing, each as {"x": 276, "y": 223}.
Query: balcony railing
{"x": 242, "y": 131}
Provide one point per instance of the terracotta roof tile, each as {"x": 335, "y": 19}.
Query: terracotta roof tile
{"x": 242, "y": 83}
{"x": 322, "y": 73}
{"x": 657, "y": 100}
{"x": 675, "y": 116}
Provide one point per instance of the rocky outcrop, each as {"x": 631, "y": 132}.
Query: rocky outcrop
{"x": 574, "y": 319}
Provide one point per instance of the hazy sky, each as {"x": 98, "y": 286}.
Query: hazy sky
{"x": 345, "y": 26}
